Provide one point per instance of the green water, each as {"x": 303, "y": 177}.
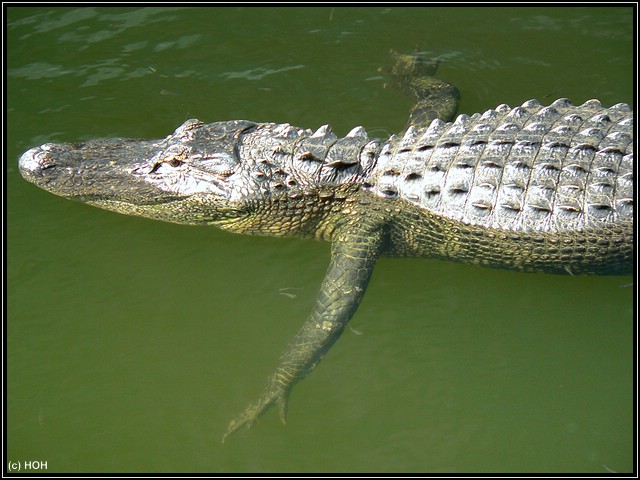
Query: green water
{"x": 132, "y": 343}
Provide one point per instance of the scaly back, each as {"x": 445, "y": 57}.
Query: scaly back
{"x": 527, "y": 169}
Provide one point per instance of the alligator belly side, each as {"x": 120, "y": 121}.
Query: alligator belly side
{"x": 531, "y": 188}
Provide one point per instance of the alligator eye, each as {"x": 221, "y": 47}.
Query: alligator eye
{"x": 174, "y": 162}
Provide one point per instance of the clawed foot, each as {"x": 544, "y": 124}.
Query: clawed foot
{"x": 406, "y": 67}
{"x": 251, "y": 415}
{"x": 434, "y": 98}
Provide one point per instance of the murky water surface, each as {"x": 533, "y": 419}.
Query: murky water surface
{"x": 132, "y": 343}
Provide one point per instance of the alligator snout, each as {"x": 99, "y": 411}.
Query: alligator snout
{"x": 34, "y": 162}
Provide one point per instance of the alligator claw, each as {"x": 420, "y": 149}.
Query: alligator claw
{"x": 251, "y": 415}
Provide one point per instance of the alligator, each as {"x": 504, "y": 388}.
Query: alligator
{"x": 532, "y": 188}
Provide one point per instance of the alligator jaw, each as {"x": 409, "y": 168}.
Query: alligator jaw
{"x": 89, "y": 169}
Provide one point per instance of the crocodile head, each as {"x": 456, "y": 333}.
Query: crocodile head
{"x": 193, "y": 176}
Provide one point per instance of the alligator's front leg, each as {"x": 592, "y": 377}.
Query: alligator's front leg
{"x": 354, "y": 251}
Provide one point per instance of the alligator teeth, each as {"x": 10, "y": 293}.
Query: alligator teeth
{"x": 359, "y": 133}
